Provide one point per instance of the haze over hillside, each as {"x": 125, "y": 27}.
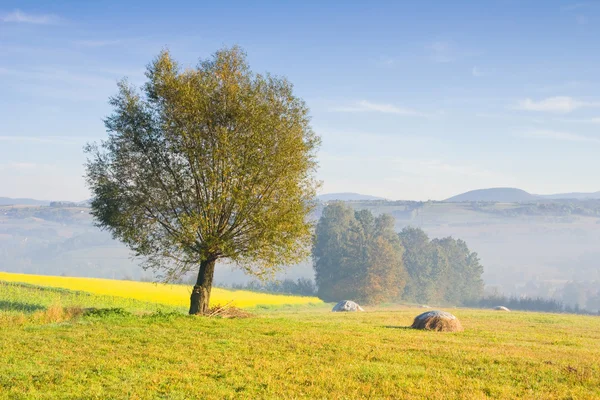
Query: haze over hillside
{"x": 6, "y": 201}
{"x": 505, "y": 195}
{"x": 347, "y": 197}
{"x": 514, "y": 195}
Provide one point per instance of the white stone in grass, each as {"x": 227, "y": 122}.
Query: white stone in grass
{"x": 347, "y": 306}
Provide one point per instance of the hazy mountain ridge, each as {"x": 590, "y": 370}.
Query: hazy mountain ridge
{"x": 557, "y": 240}
{"x": 7, "y": 201}
{"x": 515, "y": 195}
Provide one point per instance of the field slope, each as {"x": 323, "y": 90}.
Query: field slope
{"x": 298, "y": 353}
{"x": 174, "y": 295}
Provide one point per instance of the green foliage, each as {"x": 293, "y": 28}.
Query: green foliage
{"x": 301, "y": 286}
{"x": 207, "y": 163}
{"x": 440, "y": 270}
{"x": 357, "y": 256}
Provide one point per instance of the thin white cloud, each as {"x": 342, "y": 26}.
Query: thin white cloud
{"x": 46, "y": 74}
{"x": 477, "y": 72}
{"x": 595, "y": 120}
{"x": 439, "y": 167}
{"x": 558, "y": 104}
{"x": 18, "y": 166}
{"x": 575, "y": 6}
{"x": 18, "y": 16}
{"x": 558, "y": 87}
{"x": 96, "y": 43}
{"x": 562, "y": 136}
{"x": 581, "y": 20}
{"x": 442, "y": 51}
{"x": 386, "y": 62}
{"x": 366, "y": 106}
{"x": 43, "y": 139}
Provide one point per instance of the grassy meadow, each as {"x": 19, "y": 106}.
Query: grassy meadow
{"x": 146, "y": 350}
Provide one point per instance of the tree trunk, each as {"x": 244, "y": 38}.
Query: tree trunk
{"x": 201, "y": 293}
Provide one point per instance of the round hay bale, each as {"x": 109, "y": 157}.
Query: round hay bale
{"x": 425, "y": 306}
{"x": 501, "y": 308}
{"x": 346, "y": 306}
{"x": 435, "y": 320}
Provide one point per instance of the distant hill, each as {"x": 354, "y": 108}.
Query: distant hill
{"x": 347, "y": 197}
{"x": 7, "y": 201}
{"x": 503, "y": 195}
{"x": 513, "y": 195}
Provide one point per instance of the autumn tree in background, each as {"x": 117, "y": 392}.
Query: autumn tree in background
{"x": 357, "y": 256}
{"x": 463, "y": 271}
{"x": 207, "y": 163}
{"x": 440, "y": 270}
{"x": 426, "y": 267}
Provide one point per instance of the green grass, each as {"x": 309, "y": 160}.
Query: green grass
{"x": 298, "y": 352}
{"x": 17, "y": 298}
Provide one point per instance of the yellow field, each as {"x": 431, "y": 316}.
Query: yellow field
{"x": 176, "y": 295}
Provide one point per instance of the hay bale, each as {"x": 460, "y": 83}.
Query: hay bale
{"x": 346, "y": 306}
{"x": 425, "y": 306}
{"x": 501, "y": 308}
{"x": 437, "y": 321}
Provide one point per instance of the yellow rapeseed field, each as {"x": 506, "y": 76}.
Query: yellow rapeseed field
{"x": 176, "y": 295}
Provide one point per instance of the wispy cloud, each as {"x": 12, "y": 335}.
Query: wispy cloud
{"x": 96, "y": 43}
{"x": 440, "y": 167}
{"x": 442, "y": 51}
{"x": 477, "y": 72}
{"x": 26, "y": 167}
{"x": 66, "y": 83}
{"x": 43, "y": 139}
{"x": 18, "y": 16}
{"x": 558, "y": 87}
{"x": 575, "y": 6}
{"x": 366, "y": 106}
{"x": 47, "y": 74}
{"x": 18, "y": 166}
{"x": 385, "y": 61}
{"x": 593, "y": 120}
{"x": 558, "y": 104}
{"x": 562, "y": 136}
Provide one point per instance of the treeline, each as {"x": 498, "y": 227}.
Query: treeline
{"x": 301, "y": 286}
{"x": 527, "y": 304}
{"x": 359, "y": 256}
{"x": 554, "y": 208}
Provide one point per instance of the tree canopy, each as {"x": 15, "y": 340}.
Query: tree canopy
{"x": 360, "y": 256}
{"x": 440, "y": 270}
{"x": 357, "y": 256}
{"x": 206, "y": 163}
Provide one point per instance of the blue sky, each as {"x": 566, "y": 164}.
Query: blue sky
{"x": 414, "y": 100}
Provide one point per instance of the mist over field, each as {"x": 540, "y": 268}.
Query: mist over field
{"x": 531, "y": 248}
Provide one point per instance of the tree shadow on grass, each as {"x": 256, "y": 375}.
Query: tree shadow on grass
{"x": 18, "y": 306}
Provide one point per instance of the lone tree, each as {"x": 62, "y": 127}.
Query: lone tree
{"x": 203, "y": 164}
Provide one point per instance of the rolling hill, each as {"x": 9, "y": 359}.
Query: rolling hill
{"x": 514, "y": 195}
{"x": 7, "y": 201}
{"x": 503, "y": 195}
